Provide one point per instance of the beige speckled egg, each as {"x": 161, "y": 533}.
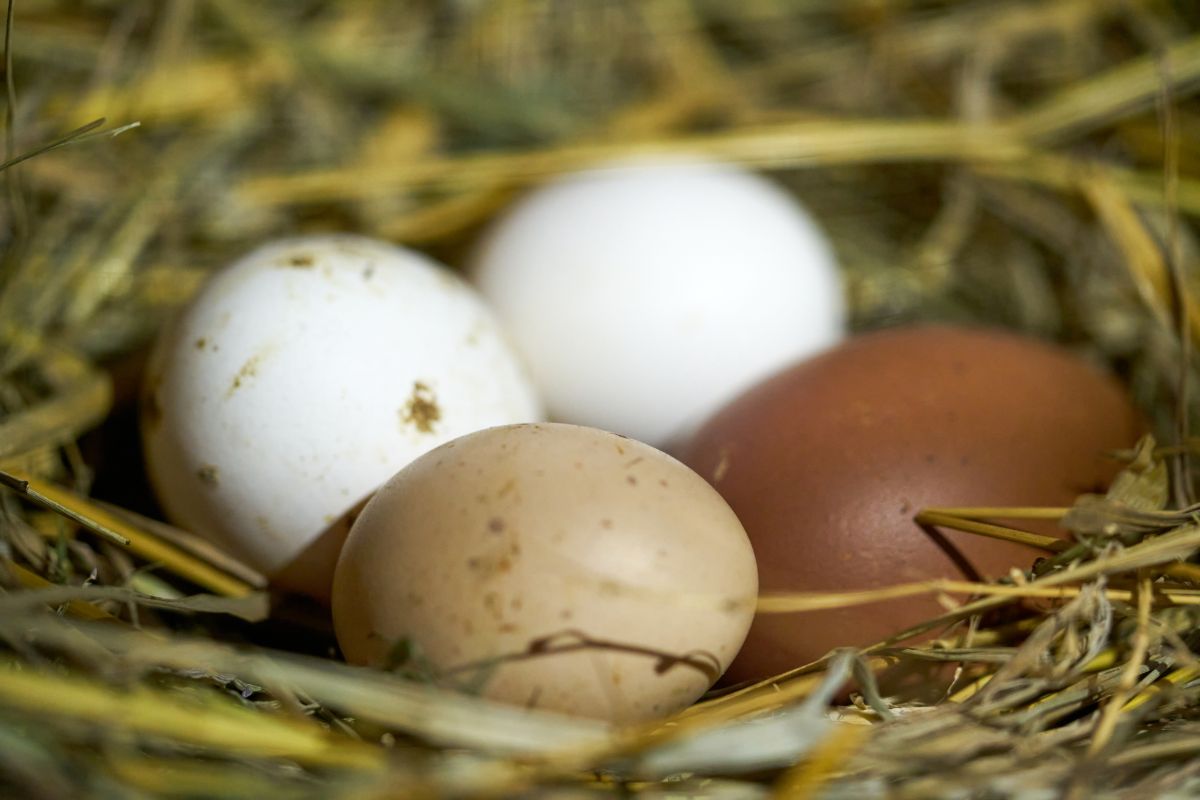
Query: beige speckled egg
{"x": 550, "y": 566}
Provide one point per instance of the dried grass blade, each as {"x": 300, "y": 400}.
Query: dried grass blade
{"x": 1172, "y": 679}
{"x": 1117, "y": 703}
{"x": 188, "y": 542}
{"x": 807, "y": 143}
{"x": 795, "y": 602}
{"x": 222, "y": 728}
{"x": 179, "y": 777}
{"x": 942, "y": 520}
{"x": 430, "y": 713}
{"x": 79, "y": 608}
{"x": 1000, "y": 512}
{"x": 1117, "y": 92}
{"x": 806, "y": 779}
{"x": 67, "y": 138}
{"x": 1151, "y": 552}
{"x": 83, "y": 396}
{"x": 1067, "y": 173}
{"x": 24, "y": 488}
{"x": 99, "y": 520}
{"x": 1142, "y": 255}
{"x": 967, "y": 521}
{"x": 251, "y": 607}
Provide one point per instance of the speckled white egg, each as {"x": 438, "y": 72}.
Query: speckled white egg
{"x": 644, "y": 295}
{"x": 305, "y": 375}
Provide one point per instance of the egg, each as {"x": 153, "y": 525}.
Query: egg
{"x": 302, "y": 377}
{"x": 827, "y": 462}
{"x": 643, "y": 295}
{"x": 549, "y": 566}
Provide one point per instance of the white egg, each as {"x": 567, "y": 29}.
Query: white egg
{"x": 305, "y": 375}
{"x": 645, "y": 295}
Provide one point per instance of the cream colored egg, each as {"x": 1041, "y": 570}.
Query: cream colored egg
{"x": 550, "y": 566}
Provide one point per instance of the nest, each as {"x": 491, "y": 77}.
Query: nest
{"x": 1025, "y": 164}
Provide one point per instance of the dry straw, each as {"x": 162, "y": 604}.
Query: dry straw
{"x": 1028, "y": 164}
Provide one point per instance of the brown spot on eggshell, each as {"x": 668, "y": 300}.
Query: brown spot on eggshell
{"x": 476, "y": 334}
{"x": 209, "y": 475}
{"x": 733, "y": 605}
{"x": 299, "y": 260}
{"x": 247, "y": 371}
{"x": 264, "y": 526}
{"x": 489, "y": 565}
{"x": 421, "y": 409}
{"x": 491, "y": 602}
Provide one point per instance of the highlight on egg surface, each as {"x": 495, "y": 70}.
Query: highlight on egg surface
{"x": 302, "y": 377}
{"x": 827, "y": 462}
{"x": 549, "y": 566}
{"x": 643, "y": 294}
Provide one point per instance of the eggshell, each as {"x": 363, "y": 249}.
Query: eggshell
{"x": 827, "y": 462}
{"x": 561, "y": 567}
{"x": 305, "y": 375}
{"x": 643, "y": 295}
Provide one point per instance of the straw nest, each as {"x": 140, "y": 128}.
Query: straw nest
{"x": 1029, "y": 164}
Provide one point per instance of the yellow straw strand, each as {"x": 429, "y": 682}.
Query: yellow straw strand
{"x": 224, "y": 728}
{"x": 79, "y": 608}
{"x": 97, "y": 519}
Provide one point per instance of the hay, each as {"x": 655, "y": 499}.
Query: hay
{"x": 1029, "y": 164}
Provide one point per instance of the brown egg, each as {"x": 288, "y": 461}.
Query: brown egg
{"x": 551, "y": 566}
{"x": 827, "y": 462}
{"x": 310, "y": 573}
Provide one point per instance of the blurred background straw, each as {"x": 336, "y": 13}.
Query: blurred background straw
{"x": 1029, "y": 164}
